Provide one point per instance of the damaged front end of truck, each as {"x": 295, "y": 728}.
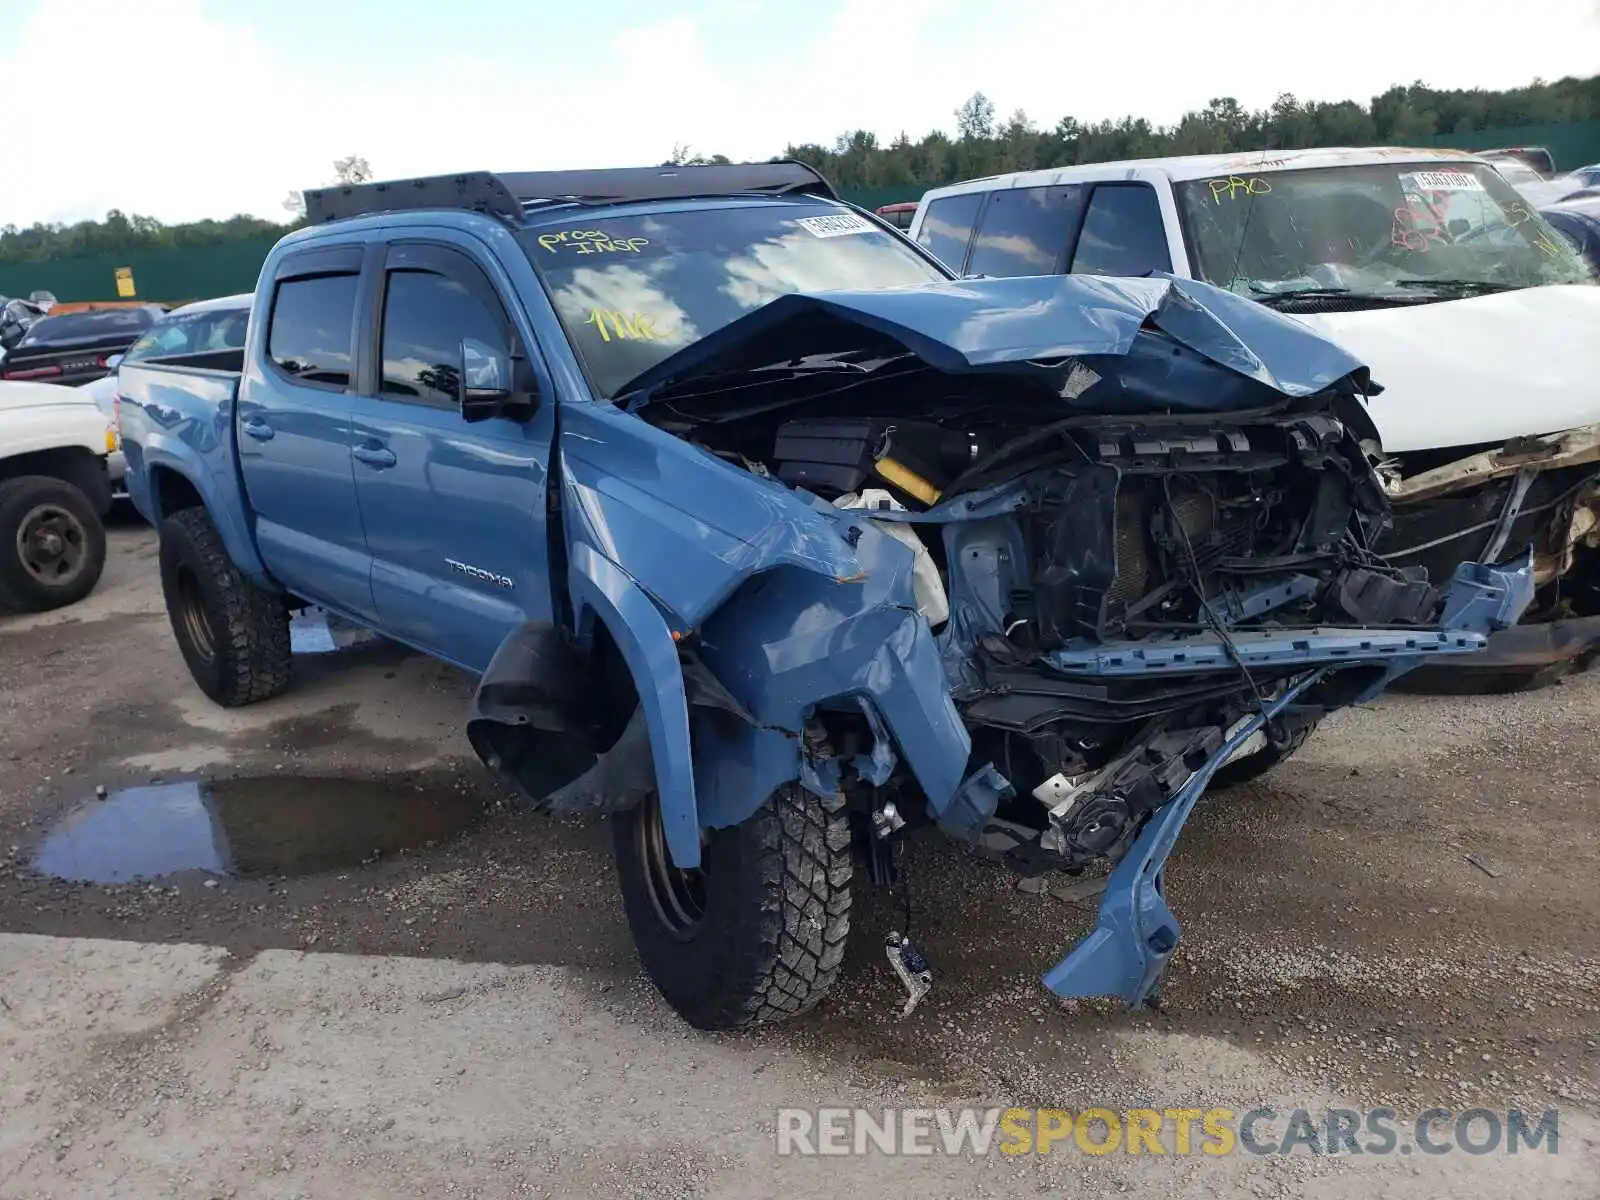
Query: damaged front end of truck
{"x": 1029, "y": 560}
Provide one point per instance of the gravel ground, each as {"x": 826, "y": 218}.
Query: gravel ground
{"x": 410, "y": 988}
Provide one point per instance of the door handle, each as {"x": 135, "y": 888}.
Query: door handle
{"x": 259, "y": 429}
{"x": 374, "y": 456}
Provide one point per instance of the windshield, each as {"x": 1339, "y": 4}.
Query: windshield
{"x": 633, "y": 290}
{"x": 109, "y": 323}
{"x": 1389, "y": 228}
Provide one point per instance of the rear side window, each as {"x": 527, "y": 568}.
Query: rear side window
{"x": 1024, "y": 231}
{"x": 1122, "y": 233}
{"x": 947, "y": 227}
{"x": 426, "y": 317}
{"x": 310, "y": 335}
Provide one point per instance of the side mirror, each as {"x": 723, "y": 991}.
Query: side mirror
{"x": 113, "y": 363}
{"x": 487, "y": 387}
{"x": 1458, "y": 226}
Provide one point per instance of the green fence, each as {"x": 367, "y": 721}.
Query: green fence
{"x": 192, "y": 273}
{"x": 203, "y": 271}
{"x": 1572, "y": 143}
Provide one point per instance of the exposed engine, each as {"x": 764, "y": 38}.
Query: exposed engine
{"x": 1107, "y": 580}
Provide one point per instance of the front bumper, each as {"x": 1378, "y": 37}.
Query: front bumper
{"x": 1136, "y": 933}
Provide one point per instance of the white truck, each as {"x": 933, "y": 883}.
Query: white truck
{"x": 1478, "y": 322}
{"x": 54, "y": 494}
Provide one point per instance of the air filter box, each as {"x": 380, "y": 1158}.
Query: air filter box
{"x": 915, "y": 460}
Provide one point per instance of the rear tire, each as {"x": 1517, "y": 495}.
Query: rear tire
{"x": 52, "y": 544}
{"x": 234, "y": 636}
{"x": 759, "y": 933}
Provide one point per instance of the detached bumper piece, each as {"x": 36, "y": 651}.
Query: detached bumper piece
{"x": 1137, "y": 933}
{"x": 1262, "y": 648}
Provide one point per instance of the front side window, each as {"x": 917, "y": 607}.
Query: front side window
{"x": 631, "y": 290}
{"x": 1024, "y": 231}
{"x": 1385, "y": 230}
{"x": 947, "y": 227}
{"x": 310, "y": 335}
{"x": 1123, "y": 233}
{"x": 426, "y": 317}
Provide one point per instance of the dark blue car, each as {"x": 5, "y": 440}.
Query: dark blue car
{"x": 1577, "y": 218}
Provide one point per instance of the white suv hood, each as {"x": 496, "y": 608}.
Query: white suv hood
{"x": 1484, "y": 369}
{"x": 40, "y": 395}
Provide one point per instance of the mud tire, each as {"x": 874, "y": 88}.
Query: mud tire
{"x": 234, "y": 636}
{"x": 774, "y": 919}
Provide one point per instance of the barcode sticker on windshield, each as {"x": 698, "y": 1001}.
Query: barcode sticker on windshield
{"x": 1443, "y": 181}
{"x": 835, "y": 226}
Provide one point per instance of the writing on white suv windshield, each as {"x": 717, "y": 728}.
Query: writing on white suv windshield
{"x": 1381, "y": 229}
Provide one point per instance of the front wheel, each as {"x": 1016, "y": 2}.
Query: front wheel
{"x": 758, "y": 933}
{"x": 234, "y": 636}
{"x": 52, "y": 544}
{"x": 1297, "y": 729}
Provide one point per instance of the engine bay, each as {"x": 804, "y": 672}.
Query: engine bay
{"x": 1042, "y": 547}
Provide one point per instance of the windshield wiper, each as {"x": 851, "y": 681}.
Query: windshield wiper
{"x": 1463, "y": 287}
{"x": 1269, "y": 297}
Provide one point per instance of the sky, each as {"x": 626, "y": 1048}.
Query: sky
{"x": 184, "y": 109}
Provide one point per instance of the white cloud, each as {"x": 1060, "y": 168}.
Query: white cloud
{"x": 168, "y": 111}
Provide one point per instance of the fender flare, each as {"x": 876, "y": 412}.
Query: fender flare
{"x": 601, "y": 590}
{"x": 227, "y": 513}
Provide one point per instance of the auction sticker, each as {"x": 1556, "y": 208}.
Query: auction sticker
{"x": 836, "y": 226}
{"x": 1443, "y": 181}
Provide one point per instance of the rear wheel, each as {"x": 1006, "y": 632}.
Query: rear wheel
{"x": 758, "y": 933}
{"x": 234, "y": 636}
{"x": 52, "y": 544}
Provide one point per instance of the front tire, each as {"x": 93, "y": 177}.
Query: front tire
{"x": 234, "y": 636}
{"x": 1269, "y": 756}
{"x": 52, "y": 544}
{"x": 758, "y": 934}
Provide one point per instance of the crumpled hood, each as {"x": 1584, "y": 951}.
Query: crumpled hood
{"x": 1081, "y": 336}
{"x": 1483, "y": 369}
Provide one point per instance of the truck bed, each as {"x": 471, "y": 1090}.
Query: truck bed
{"x": 177, "y": 419}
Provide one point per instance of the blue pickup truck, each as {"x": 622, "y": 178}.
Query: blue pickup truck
{"x": 769, "y": 539}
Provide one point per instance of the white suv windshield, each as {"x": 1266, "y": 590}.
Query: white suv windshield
{"x": 1382, "y": 229}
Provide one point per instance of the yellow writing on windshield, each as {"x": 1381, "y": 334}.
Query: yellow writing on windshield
{"x": 1234, "y": 186}
{"x": 626, "y": 326}
{"x": 591, "y": 241}
{"x": 1549, "y": 246}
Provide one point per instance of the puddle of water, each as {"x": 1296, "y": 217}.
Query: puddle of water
{"x": 314, "y": 631}
{"x": 249, "y": 827}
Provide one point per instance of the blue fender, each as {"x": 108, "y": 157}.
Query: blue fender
{"x": 602, "y": 591}
{"x": 218, "y": 486}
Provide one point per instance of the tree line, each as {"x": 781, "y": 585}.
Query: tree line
{"x": 982, "y": 144}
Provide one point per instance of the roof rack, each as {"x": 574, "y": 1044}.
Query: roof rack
{"x": 504, "y": 195}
